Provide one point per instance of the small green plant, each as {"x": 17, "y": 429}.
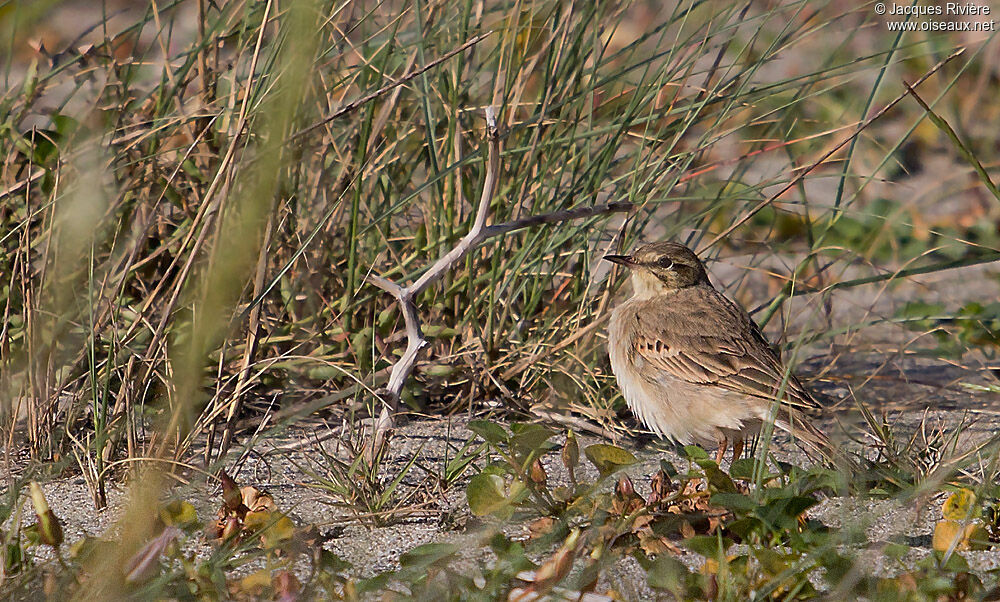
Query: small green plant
{"x": 754, "y": 542}
{"x": 703, "y": 509}
{"x": 354, "y": 476}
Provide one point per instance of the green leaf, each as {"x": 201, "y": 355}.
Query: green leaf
{"x": 518, "y": 493}
{"x": 668, "y": 573}
{"x": 668, "y": 468}
{"x": 920, "y": 309}
{"x": 896, "y": 551}
{"x": 427, "y": 554}
{"x": 32, "y": 535}
{"x": 385, "y": 319}
{"x": 376, "y": 583}
{"x": 435, "y": 331}
{"x": 190, "y": 168}
{"x": 695, "y": 452}
{"x": 955, "y": 562}
{"x": 783, "y": 513}
{"x": 717, "y": 479}
{"x": 65, "y": 124}
{"x": 526, "y": 438}
{"x": 361, "y": 341}
{"x": 743, "y": 469}
{"x": 439, "y": 370}
{"x": 499, "y": 468}
{"x": 708, "y": 545}
{"x": 45, "y": 150}
{"x": 746, "y": 527}
{"x": 457, "y": 465}
{"x": 737, "y": 502}
{"x": 491, "y": 432}
{"x": 332, "y": 564}
{"x": 609, "y": 458}
{"x": 772, "y": 562}
{"x": 485, "y": 494}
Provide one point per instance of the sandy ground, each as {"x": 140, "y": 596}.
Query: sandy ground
{"x": 374, "y": 549}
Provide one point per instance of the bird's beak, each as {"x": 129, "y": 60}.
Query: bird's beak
{"x": 620, "y": 259}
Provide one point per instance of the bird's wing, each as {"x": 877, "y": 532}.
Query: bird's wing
{"x": 703, "y": 338}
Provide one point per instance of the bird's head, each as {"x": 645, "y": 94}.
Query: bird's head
{"x": 662, "y": 267}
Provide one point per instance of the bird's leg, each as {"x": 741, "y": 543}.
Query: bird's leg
{"x": 723, "y": 444}
{"x": 737, "y": 448}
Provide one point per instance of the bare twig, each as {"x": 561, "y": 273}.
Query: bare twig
{"x": 414, "y": 334}
{"x": 478, "y": 233}
{"x": 17, "y": 187}
{"x": 555, "y": 217}
{"x": 415, "y": 340}
{"x": 580, "y": 424}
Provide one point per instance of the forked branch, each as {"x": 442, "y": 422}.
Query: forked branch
{"x": 478, "y": 233}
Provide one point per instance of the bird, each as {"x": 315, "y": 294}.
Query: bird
{"x": 693, "y": 366}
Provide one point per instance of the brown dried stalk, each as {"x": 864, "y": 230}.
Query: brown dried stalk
{"x": 479, "y": 233}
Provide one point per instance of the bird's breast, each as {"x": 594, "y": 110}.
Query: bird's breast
{"x": 668, "y": 405}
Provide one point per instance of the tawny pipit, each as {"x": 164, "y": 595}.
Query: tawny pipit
{"x": 692, "y": 365}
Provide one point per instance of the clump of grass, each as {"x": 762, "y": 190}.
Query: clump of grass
{"x": 372, "y": 167}
{"x": 356, "y": 480}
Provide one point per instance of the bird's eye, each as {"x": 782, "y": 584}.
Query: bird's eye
{"x": 666, "y": 263}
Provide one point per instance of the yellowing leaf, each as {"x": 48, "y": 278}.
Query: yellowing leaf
{"x": 960, "y": 505}
{"x": 947, "y": 536}
{"x": 255, "y": 521}
{"x": 38, "y": 498}
{"x": 608, "y": 458}
{"x": 711, "y": 567}
{"x": 485, "y": 494}
{"x": 952, "y": 535}
{"x": 178, "y": 513}
{"x": 256, "y": 583}
{"x": 278, "y": 531}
